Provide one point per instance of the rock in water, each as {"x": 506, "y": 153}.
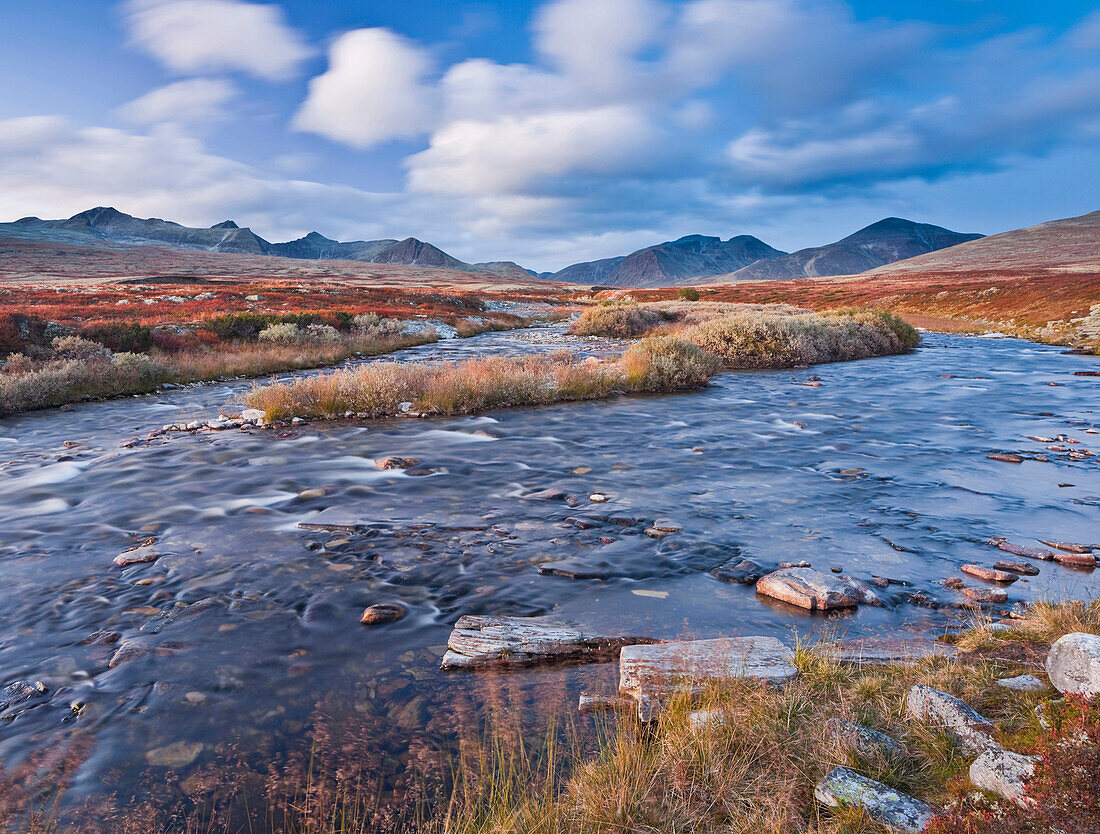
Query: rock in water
{"x": 985, "y": 595}
{"x": 817, "y": 591}
{"x": 989, "y": 574}
{"x": 1073, "y": 664}
{"x": 395, "y": 462}
{"x": 1004, "y": 773}
{"x": 651, "y": 673}
{"x": 1023, "y": 550}
{"x": 1016, "y": 567}
{"x": 969, "y": 728}
{"x": 498, "y": 642}
{"x": 137, "y": 556}
{"x": 385, "y": 612}
{"x": 844, "y": 788}
{"x": 741, "y": 571}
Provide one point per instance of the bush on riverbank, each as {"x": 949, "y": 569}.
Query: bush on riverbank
{"x": 624, "y": 320}
{"x": 77, "y": 369}
{"x": 769, "y": 340}
{"x": 379, "y": 389}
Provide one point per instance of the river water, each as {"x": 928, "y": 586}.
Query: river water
{"x": 881, "y": 470}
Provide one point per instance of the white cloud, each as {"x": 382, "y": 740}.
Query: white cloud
{"x": 27, "y": 134}
{"x": 513, "y": 152}
{"x": 199, "y": 36}
{"x": 598, "y": 41}
{"x": 374, "y": 91}
{"x": 188, "y": 101}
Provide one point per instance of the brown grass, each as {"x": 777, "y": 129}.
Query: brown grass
{"x": 378, "y": 389}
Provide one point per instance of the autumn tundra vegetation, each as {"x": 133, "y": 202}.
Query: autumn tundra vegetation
{"x": 685, "y": 349}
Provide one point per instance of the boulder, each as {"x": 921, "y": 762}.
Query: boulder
{"x": 817, "y": 591}
{"x": 1023, "y": 683}
{"x": 863, "y": 740}
{"x": 969, "y": 729}
{"x": 1073, "y": 664}
{"x": 651, "y": 673}
{"x": 499, "y": 642}
{"x": 137, "y": 556}
{"x": 1004, "y": 773}
{"x": 395, "y": 462}
{"x": 844, "y": 788}
{"x": 1075, "y": 560}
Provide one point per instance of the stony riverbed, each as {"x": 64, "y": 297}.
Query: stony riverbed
{"x": 245, "y": 622}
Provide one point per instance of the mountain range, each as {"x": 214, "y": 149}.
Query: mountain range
{"x": 692, "y": 259}
{"x": 697, "y": 259}
{"x": 111, "y": 226}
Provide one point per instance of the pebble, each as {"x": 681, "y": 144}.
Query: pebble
{"x": 1006, "y": 458}
{"x": 310, "y": 494}
{"x": 179, "y": 754}
{"x": 598, "y": 498}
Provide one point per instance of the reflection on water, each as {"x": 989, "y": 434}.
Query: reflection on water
{"x": 882, "y": 470}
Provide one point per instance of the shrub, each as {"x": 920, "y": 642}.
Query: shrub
{"x": 769, "y": 340}
{"x": 130, "y": 337}
{"x": 282, "y": 334}
{"x": 240, "y": 325}
{"x": 77, "y": 347}
{"x": 369, "y": 324}
{"x": 321, "y": 333}
{"x": 61, "y": 381}
{"x": 617, "y": 321}
{"x": 688, "y": 294}
{"x": 668, "y": 364}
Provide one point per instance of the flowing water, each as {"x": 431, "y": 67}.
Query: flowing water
{"x": 882, "y": 470}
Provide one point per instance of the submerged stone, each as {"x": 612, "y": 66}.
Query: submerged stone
{"x": 497, "y": 642}
{"x": 844, "y": 788}
{"x": 385, "y": 612}
{"x": 741, "y": 571}
{"x": 651, "y": 673}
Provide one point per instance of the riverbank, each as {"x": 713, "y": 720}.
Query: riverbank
{"x": 686, "y": 349}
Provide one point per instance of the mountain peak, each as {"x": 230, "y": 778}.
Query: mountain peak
{"x": 101, "y": 214}
{"x": 317, "y": 237}
{"x": 225, "y": 224}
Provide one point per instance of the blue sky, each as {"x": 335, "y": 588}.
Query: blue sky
{"x": 552, "y": 132}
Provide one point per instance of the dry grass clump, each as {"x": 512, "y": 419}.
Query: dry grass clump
{"x": 618, "y": 321}
{"x": 25, "y": 386}
{"x": 379, "y": 389}
{"x": 772, "y": 340}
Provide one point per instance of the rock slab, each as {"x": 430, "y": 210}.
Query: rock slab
{"x": 969, "y": 728}
{"x": 1004, "y": 773}
{"x": 652, "y": 673}
{"x": 1073, "y": 664}
{"x": 501, "y": 642}
{"x": 1022, "y": 683}
{"x": 844, "y": 788}
{"x": 816, "y": 591}
{"x": 884, "y": 651}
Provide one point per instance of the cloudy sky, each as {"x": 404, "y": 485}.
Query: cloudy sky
{"x": 553, "y": 132}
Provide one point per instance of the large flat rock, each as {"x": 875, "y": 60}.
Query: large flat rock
{"x": 1073, "y": 664}
{"x": 816, "y": 591}
{"x": 652, "y": 673}
{"x": 844, "y": 788}
{"x": 884, "y": 651}
{"x": 501, "y": 642}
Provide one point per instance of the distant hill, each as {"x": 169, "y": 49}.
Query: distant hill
{"x": 109, "y": 225}
{"x": 671, "y": 263}
{"x": 1059, "y": 246}
{"x": 884, "y": 242}
{"x": 697, "y": 259}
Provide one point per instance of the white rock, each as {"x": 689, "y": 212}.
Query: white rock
{"x": 844, "y": 788}
{"x": 1025, "y": 683}
{"x": 970, "y": 730}
{"x": 651, "y": 673}
{"x": 252, "y": 415}
{"x": 1073, "y": 664}
{"x": 1004, "y": 773}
